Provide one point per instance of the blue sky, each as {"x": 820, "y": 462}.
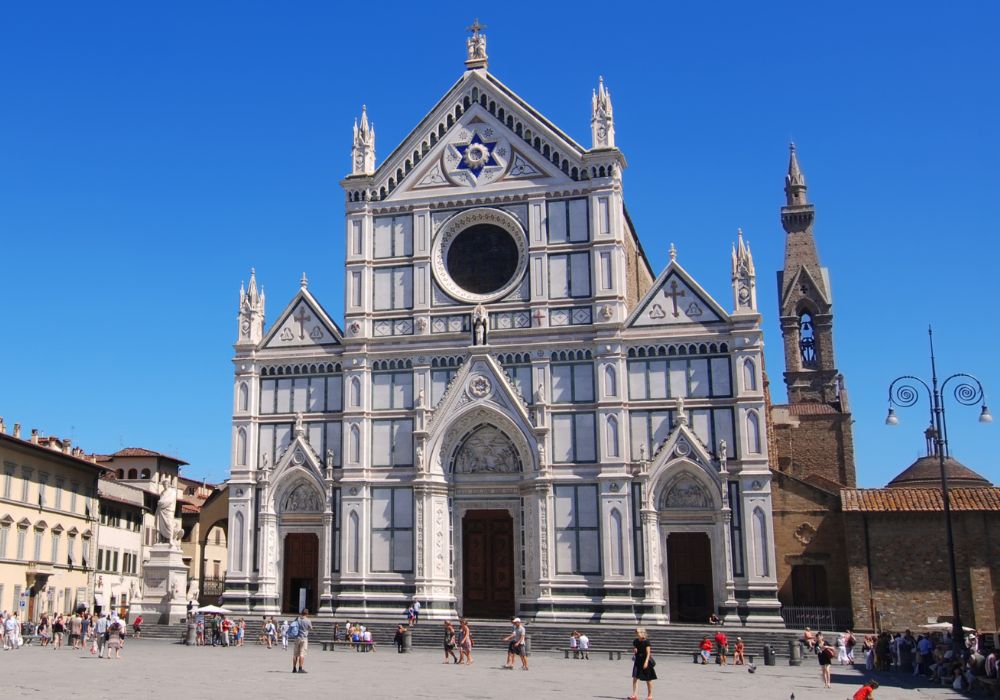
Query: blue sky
{"x": 151, "y": 154}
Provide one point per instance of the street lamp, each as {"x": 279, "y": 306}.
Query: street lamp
{"x": 968, "y": 391}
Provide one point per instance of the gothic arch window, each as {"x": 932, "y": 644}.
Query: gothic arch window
{"x": 807, "y": 341}
{"x": 617, "y": 544}
{"x": 238, "y": 562}
{"x": 244, "y": 397}
{"x": 355, "y": 444}
{"x": 753, "y": 433}
{"x": 612, "y": 437}
{"x": 354, "y": 541}
{"x": 749, "y": 375}
{"x": 760, "y": 540}
{"x": 355, "y": 392}
{"x": 241, "y": 447}
{"x": 610, "y": 381}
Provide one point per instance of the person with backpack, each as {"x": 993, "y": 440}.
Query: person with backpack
{"x": 298, "y": 632}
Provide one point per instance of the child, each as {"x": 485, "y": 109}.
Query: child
{"x": 867, "y": 691}
{"x": 574, "y": 643}
{"x": 740, "y": 659}
{"x": 584, "y": 642}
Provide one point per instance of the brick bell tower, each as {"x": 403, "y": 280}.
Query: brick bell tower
{"x": 817, "y": 399}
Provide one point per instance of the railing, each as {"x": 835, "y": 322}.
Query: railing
{"x": 800, "y": 617}
{"x": 212, "y": 588}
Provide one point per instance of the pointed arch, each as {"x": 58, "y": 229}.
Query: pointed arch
{"x": 355, "y": 445}
{"x": 617, "y": 544}
{"x": 241, "y": 447}
{"x": 610, "y": 381}
{"x": 354, "y": 543}
{"x": 244, "y": 400}
{"x": 749, "y": 375}
{"x": 753, "y": 433}
{"x": 237, "y": 543}
{"x": 762, "y": 560}
{"x": 612, "y": 437}
{"x": 355, "y": 392}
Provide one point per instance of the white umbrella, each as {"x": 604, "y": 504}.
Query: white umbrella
{"x": 942, "y": 627}
{"x": 214, "y": 609}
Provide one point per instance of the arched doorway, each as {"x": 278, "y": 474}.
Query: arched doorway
{"x": 301, "y": 574}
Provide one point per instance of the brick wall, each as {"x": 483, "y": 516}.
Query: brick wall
{"x": 907, "y": 566}
{"x": 815, "y": 444}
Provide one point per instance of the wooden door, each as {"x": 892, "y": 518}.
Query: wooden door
{"x": 301, "y": 571}
{"x": 488, "y": 564}
{"x": 689, "y": 577}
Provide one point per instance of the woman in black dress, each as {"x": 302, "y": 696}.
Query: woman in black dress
{"x": 825, "y": 654}
{"x": 643, "y": 664}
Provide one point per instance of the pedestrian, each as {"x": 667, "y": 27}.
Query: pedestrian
{"x": 298, "y": 631}
{"x": 465, "y": 641}
{"x": 584, "y": 643}
{"x": 101, "y": 635}
{"x": 137, "y": 626}
{"x": 866, "y": 692}
{"x": 449, "y": 643}
{"x": 75, "y": 627}
{"x": 44, "y": 630}
{"x": 398, "y": 638}
{"x": 284, "y": 635}
{"x": 643, "y": 665}
{"x": 721, "y": 646}
{"x": 199, "y": 625}
{"x": 269, "y": 632}
{"x": 825, "y": 654}
{"x": 739, "y": 659}
{"x": 116, "y": 638}
{"x": 416, "y": 611}
{"x": 574, "y": 643}
{"x": 11, "y": 632}
{"x": 57, "y": 631}
{"x": 706, "y": 650}
{"x": 516, "y": 645}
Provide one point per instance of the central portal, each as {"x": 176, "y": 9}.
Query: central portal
{"x": 488, "y": 564}
{"x": 301, "y": 572}
{"x": 689, "y": 575}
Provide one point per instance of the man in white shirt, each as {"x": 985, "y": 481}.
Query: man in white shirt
{"x": 584, "y": 643}
{"x": 11, "y": 631}
{"x": 100, "y": 629}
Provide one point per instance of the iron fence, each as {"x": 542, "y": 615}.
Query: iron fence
{"x": 800, "y": 617}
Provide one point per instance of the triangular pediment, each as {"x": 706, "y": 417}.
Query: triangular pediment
{"x": 803, "y": 285}
{"x": 676, "y": 299}
{"x": 679, "y": 465}
{"x": 303, "y": 323}
{"x": 299, "y": 456}
{"x": 481, "y": 380}
{"x": 479, "y": 135}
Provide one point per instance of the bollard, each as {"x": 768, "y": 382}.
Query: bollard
{"x": 407, "y": 641}
{"x": 768, "y": 655}
{"x": 527, "y": 644}
{"x": 794, "y": 652}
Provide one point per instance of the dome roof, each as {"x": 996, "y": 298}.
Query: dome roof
{"x": 926, "y": 473}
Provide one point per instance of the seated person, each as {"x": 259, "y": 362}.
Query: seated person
{"x": 713, "y": 619}
{"x": 809, "y": 639}
{"x": 706, "y": 649}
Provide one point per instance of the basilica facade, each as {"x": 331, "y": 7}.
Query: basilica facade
{"x": 518, "y": 415}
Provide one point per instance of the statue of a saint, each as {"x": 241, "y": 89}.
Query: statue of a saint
{"x": 722, "y": 455}
{"x": 420, "y": 456}
{"x": 540, "y": 393}
{"x": 420, "y": 399}
{"x": 329, "y": 458}
{"x": 165, "y": 507}
{"x": 479, "y": 317}
{"x": 193, "y": 590}
{"x": 265, "y": 461}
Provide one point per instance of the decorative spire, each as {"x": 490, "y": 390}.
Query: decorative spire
{"x": 673, "y": 252}
{"x": 251, "y": 315}
{"x": 795, "y": 181}
{"x": 304, "y": 281}
{"x": 475, "y": 46}
{"x": 363, "y": 148}
{"x": 602, "y": 117}
{"x": 744, "y": 276}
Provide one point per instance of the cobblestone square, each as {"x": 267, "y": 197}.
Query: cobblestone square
{"x": 156, "y": 669}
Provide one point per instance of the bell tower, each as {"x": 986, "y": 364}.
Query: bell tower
{"x": 806, "y": 304}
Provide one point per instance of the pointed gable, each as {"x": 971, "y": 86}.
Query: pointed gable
{"x": 303, "y": 323}
{"x": 478, "y": 135}
{"x": 675, "y": 299}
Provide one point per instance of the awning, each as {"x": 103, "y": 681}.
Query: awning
{"x": 98, "y": 599}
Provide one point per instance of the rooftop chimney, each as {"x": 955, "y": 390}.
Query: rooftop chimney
{"x": 17, "y": 430}
{"x": 34, "y": 436}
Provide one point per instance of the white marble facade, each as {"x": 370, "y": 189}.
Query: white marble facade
{"x": 516, "y": 416}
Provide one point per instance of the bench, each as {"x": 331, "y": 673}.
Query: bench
{"x": 613, "y": 654}
{"x": 696, "y": 657}
{"x": 331, "y": 645}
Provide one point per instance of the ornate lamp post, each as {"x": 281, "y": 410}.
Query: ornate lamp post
{"x": 967, "y": 391}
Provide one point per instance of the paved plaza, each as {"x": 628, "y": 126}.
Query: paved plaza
{"x": 157, "y": 669}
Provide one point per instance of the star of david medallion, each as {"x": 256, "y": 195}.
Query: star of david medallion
{"x": 478, "y": 156}
{"x": 480, "y": 386}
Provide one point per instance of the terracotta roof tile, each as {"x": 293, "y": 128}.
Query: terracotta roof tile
{"x": 143, "y": 452}
{"x": 919, "y": 500}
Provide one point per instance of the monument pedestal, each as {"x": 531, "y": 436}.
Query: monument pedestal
{"x": 164, "y": 582}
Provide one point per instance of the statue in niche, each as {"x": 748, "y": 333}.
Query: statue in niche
{"x": 686, "y": 493}
{"x": 723, "y": 456}
{"x": 303, "y": 499}
{"x": 329, "y": 458}
{"x": 540, "y": 393}
{"x": 420, "y": 399}
{"x": 479, "y": 318}
{"x": 487, "y": 450}
{"x": 265, "y": 461}
{"x": 420, "y": 455}
{"x": 541, "y": 455}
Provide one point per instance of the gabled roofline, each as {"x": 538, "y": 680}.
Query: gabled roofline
{"x": 674, "y": 266}
{"x": 305, "y": 294}
{"x": 49, "y": 452}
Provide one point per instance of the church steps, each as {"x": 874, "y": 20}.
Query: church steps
{"x": 545, "y": 637}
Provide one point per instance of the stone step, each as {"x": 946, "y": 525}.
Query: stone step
{"x": 489, "y": 634}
